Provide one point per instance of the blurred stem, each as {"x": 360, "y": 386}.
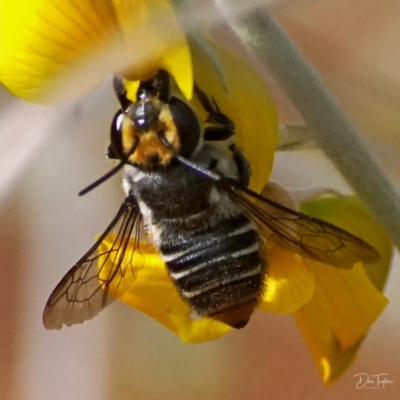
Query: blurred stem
{"x": 335, "y": 132}
{"x": 295, "y": 136}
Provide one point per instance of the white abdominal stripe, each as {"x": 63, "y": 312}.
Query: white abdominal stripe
{"x": 189, "y": 246}
{"x": 249, "y": 250}
{"x": 224, "y": 282}
{"x": 219, "y": 259}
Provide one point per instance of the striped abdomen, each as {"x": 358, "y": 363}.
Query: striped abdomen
{"x": 218, "y": 269}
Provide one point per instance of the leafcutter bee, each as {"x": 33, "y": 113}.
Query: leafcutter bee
{"x": 192, "y": 199}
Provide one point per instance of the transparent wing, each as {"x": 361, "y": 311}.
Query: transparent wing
{"x": 82, "y": 293}
{"x": 303, "y": 234}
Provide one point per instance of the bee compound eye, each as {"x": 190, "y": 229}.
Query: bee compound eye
{"x": 115, "y": 149}
{"x": 187, "y": 125}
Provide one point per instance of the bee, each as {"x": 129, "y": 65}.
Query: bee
{"x": 191, "y": 198}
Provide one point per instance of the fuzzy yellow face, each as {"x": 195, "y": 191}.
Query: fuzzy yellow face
{"x": 149, "y": 151}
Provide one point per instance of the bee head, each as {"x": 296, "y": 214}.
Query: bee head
{"x": 141, "y": 128}
{"x": 155, "y": 115}
{"x": 145, "y": 115}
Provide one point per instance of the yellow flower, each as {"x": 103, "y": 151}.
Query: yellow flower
{"x": 57, "y": 50}
{"x": 334, "y": 308}
{"x": 345, "y": 303}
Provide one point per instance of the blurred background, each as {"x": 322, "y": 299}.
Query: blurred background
{"x": 50, "y": 153}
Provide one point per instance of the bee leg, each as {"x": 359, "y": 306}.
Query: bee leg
{"x": 223, "y": 127}
{"x": 224, "y": 130}
{"x": 208, "y": 104}
{"x": 242, "y": 165}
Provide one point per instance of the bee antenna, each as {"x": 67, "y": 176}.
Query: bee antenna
{"x": 99, "y": 181}
{"x": 120, "y": 92}
{"x": 203, "y": 171}
{"x": 110, "y": 173}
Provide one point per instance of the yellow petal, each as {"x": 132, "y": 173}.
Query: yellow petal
{"x": 325, "y": 349}
{"x": 346, "y": 302}
{"x": 289, "y": 283}
{"x": 349, "y": 300}
{"x": 147, "y": 287}
{"x": 348, "y": 213}
{"x": 57, "y": 50}
{"x": 248, "y": 103}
